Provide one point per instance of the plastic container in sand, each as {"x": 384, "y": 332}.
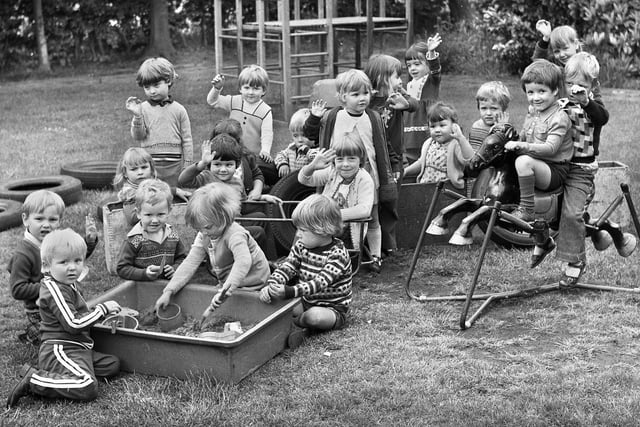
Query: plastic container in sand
{"x": 170, "y": 317}
{"x": 121, "y": 321}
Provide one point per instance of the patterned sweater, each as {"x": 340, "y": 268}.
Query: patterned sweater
{"x": 165, "y": 132}
{"x": 321, "y": 276}
{"x": 138, "y": 252}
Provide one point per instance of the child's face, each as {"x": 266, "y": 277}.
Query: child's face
{"x": 223, "y": 169}
{"x": 355, "y": 102}
{"x": 251, "y": 94}
{"x": 585, "y": 83}
{"x": 395, "y": 81}
{"x": 158, "y": 91}
{"x": 441, "y": 131}
{"x": 417, "y": 69}
{"x": 347, "y": 166}
{"x": 311, "y": 240}
{"x": 540, "y": 96}
{"x": 562, "y": 54}
{"x": 42, "y": 223}
{"x": 299, "y": 139}
{"x": 66, "y": 267}
{"x": 153, "y": 217}
{"x": 489, "y": 112}
{"x": 138, "y": 173}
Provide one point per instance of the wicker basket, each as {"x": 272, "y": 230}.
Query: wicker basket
{"x": 116, "y": 229}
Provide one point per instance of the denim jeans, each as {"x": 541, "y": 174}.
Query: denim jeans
{"x": 578, "y": 193}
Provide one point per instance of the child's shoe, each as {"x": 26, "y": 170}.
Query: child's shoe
{"x": 572, "y": 274}
{"x": 601, "y": 240}
{"x": 22, "y": 388}
{"x": 540, "y": 252}
{"x": 375, "y": 265}
{"x": 297, "y": 336}
{"x": 526, "y": 215}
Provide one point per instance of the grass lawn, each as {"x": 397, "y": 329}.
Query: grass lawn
{"x": 563, "y": 358}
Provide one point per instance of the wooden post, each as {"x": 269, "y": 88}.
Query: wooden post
{"x": 260, "y": 45}
{"x": 217, "y": 31}
{"x": 369, "y": 28}
{"x": 408, "y": 14}
{"x": 286, "y": 61}
{"x": 239, "y": 46}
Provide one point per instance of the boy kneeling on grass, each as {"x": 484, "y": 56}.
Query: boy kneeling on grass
{"x": 318, "y": 269}
{"x": 67, "y": 364}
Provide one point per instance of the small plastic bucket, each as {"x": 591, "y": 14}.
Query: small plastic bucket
{"x": 121, "y": 321}
{"x": 170, "y": 318}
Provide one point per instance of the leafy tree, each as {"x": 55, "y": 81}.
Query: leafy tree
{"x": 160, "y": 37}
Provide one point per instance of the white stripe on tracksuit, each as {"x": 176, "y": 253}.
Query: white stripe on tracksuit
{"x": 80, "y": 323}
{"x": 84, "y": 378}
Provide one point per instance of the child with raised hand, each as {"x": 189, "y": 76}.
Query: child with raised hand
{"x": 42, "y": 213}
{"x": 445, "y": 153}
{"x": 545, "y": 146}
{"x": 318, "y": 269}
{"x": 253, "y": 114}
{"x": 297, "y": 154}
{"x": 67, "y": 365}
{"x": 339, "y": 171}
{"x": 135, "y": 166}
{"x": 235, "y": 259}
{"x": 152, "y": 249}
{"x": 161, "y": 124}
{"x": 423, "y": 65}
{"x": 492, "y": 100}
{"x": 355, "y": 118}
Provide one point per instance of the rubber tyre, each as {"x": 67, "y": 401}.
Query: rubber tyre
{"x": 10, "y": 214}
{"x": 67, "y": 187}
{"x": 94, "y": 174}
{"x": 502, "y": 234}
{"x": 288, "y": 189}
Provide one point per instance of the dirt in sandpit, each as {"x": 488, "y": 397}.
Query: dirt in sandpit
{"x": 191, "y": 327}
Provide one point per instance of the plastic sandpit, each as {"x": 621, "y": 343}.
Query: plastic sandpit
{"x": 169, "y": 354}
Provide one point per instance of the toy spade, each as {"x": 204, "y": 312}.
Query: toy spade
{"x": 209, "y": 310}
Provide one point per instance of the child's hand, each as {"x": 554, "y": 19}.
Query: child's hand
{"x": 264, "y": 295}
{"x": 502, "y": 117}
{"x": 434, "y": 42}
{"x": 219, "y": 298}
{"x": 276, "y": 291}
{"x": 254, "y": 194}
{"x": 456, "y": 131}
{"x": 266, "y": 157}
{"x": 323, "y": 158}
{"x": 579, "y": 94}
{"x": 397, "y": 102}
{"x": 153, "y": 271}
{"x": 163, "y": 301}
{"x": 112, "y": 306}
{"x": 90, "y": 229}
{"x": 168, "y": 271}
{"x": 283, "y": 170}
{"x": 318, "y": 107}
{"x": 183, "y": 194}
{"x": 133, "y": 104}
{"x": 269, "y": 198}
{"x": 544, "y": 28}
{"x": 207, "y": 154}
{"x": 516, "y": 145}
{"x": 218, "y": 81}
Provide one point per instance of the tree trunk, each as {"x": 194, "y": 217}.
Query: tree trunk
{"x": 160, "y": 38}
{"x": 41, "y": 39}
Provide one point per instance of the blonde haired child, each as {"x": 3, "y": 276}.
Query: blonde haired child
{"x": 42, "y": 213}
{"x": 297, "y": 154}
{"x": 67, "y": 365}
{"x": 355, "y": 118}
{"x": 250, "y": 110}
{"x": 423, "y": 65}
{"x": 318, "y": 269}
{"x": 135, "y": 166}
{"x": 446, "y": 151}
{"x": 339, "y": 171}
{"x": 234, "y": 257}
{"x": 161, "y": 124}
{"x": 492, "y": 100}
{"x": 152, "y": 249}
{"x": 545, "y": 144}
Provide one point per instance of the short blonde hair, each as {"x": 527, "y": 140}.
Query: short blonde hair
{"x": 154, "y": 70}
{"x": 296, "y": 122}
{"x": 563, "y": 36}
{"x": 350, "y": 144}
{"x": 494, "y": 91}
{"x": 153, "y": 191}
{"x": 254, "y": 75}
{"x": 214, "y": 204}
{"x": 39, "y": 200}
{"x": 133, "y": 157}
{"x": 352, "y": 80}
{"x": 582, "y": 64}
{"x": 62, "y": 241}
{"x": 318, "y": 214}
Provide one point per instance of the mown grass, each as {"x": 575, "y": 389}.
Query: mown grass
{"x": 562, "y": 358}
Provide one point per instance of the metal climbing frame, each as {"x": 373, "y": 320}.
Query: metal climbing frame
{"x": 465, "y": 321}
{"x": 306, "y": 48}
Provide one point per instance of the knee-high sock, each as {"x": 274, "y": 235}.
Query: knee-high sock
{"x": 527, "y": 191}
{"x": 374, "y": 237}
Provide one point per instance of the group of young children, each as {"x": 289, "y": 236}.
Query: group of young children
{"x": 357, "y": 152}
